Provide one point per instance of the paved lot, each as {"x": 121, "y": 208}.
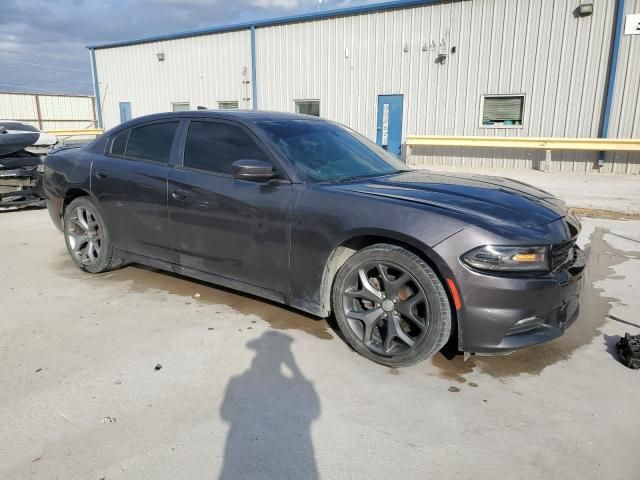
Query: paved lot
{"x": 242, "y": 380}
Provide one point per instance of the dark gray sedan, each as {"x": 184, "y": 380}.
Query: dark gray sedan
{"x": 308, "y": 213}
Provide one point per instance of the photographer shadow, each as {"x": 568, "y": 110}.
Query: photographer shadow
{"x": 270, "y": 408}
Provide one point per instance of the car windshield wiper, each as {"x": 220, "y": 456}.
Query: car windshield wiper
{"x": 359, "y": 177}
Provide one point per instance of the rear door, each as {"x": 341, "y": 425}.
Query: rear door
{"x": 238, "y": 229}
{"x": 130, "y": 182}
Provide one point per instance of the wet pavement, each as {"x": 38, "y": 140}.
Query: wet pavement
{"x": 247, "y": 385}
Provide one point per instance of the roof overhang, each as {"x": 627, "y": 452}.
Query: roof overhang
{"x": 307, "y": 17}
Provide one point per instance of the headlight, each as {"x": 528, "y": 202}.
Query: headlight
{"x": 508, "y": 259}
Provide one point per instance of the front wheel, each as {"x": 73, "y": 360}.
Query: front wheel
{"x": 391, "y": 306}
{"x": 87, "y": 237}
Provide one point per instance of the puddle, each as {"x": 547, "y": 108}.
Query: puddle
{"x": 140, "y": 279}
{"x": 601, "y": 258}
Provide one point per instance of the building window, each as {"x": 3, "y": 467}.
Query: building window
{"x": 502, "y": 111}
{"x": 228, "y": 105}
{"x": 181, "y": 106}
{"x": 308, "y": 107}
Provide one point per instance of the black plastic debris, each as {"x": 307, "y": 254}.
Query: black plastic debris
{"x": 158, "y": 367}
{"x": 629, "y": 351}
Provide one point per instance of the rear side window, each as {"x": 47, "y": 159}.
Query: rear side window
{"x": 119, "y": 143}
{"x": 215, "y": 146}
{"x": 152, "y": 142}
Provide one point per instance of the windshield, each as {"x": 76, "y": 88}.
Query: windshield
{"x": 325, "y": 151}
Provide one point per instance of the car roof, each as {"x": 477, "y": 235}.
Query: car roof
{"x": 245, "y": 116}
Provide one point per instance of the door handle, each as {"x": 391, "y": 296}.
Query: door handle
{"x": 101, "y": 175}
{"x": 179, "y": 194}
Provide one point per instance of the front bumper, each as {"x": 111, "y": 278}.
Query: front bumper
{"x": 533, "y": 312}
{"x": 500, "y": 314}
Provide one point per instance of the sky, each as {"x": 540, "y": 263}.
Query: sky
{"x": 42, "y": 42}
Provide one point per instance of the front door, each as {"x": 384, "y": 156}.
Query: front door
{"x": 237, "y": 229}
{"x": 389, "y": 134}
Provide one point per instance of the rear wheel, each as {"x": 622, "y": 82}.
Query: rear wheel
{"x": 391, "y": 306}
{"x": 87, "y": 237}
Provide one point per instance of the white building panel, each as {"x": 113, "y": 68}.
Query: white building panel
{"x": 441, "y": 57}
{"x": 17, "y": 106}
{"x": 49, "y": 112}
{"x": 198, "y": 70}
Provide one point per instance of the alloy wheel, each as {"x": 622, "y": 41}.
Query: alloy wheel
{"x": 84, "y": 234}
{"x": 386, "y": 308}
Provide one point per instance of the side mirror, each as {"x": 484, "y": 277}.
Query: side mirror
{"x": 256, "y": 170}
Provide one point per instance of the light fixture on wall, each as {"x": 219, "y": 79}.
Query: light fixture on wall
{"x": 585, "y": 9}
{"x": 160, "y": 56}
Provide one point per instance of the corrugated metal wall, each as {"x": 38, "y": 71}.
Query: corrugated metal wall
{"x": 199, "y": 70}
{"x": 55, "y": 111}
{"x": 539, "y": 48}
{"x": 535, "y": 47}
{"x": 625, "y": 114}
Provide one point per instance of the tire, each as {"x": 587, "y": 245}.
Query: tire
{"x": 391, "y": 306}
{"x": 87, "y": 237}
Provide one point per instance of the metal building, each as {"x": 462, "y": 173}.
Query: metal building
{"x": 525, "y": 68}
{"x": 48, "y": 111}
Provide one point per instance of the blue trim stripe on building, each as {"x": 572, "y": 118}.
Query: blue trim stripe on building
{"x": 254, "y": 74}
{"x": 96, "y": 87}
{"x": 340, "y": 12}
{"x": 613, "y": 68}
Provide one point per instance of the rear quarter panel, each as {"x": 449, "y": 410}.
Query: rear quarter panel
{"x": 64, "y": 171}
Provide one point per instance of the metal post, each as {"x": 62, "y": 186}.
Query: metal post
{"x": 547, "y": 161}
{"x": 254, "y": 74}
{"x": 611, "y": 78}
{"x": 96, "y": 86}
{"x": 39, "y": 112}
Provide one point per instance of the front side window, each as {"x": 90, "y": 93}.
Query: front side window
{"x": 326, "y": 151}
{"x": 152, "y": 142}
{"x": 215, "y": 146}
{"x": 308, "y": 107}
{"x": 502, "y": 111}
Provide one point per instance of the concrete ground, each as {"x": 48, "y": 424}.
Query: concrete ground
{"x": 617, "y": 193}
{"x": 244, "y": 382}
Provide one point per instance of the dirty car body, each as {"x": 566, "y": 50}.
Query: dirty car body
{"x": 285, "y": 238}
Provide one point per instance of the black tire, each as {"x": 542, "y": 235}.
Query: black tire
{"x": 81, "y": 229}
{"x": 419, "y": 324}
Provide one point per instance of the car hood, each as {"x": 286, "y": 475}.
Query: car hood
{"x": 484, "y": 198}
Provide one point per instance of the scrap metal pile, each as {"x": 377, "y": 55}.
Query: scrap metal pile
{"x": 629, "y": 351}
{"x": 22, "y": 148}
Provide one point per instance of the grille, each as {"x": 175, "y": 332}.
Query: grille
{"x": 562, "y": 255}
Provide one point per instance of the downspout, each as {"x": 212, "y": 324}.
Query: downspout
{"x": 254, "y": 75}
{"x": 96, "y": 87}
{"x": 611, "y": 79}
